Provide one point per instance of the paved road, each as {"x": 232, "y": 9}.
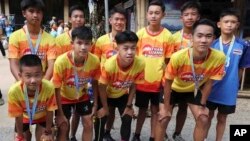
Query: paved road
{"x": 242, "y": 115}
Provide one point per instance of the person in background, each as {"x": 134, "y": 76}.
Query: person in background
{"x": 8, "y": 29}
{"x": 53, "y": 31}
{"x": 60, "y": 27}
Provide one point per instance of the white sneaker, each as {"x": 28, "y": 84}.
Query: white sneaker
{"x": 178, "y": 138}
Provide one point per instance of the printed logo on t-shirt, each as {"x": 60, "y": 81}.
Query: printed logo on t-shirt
{"x": 41, "y": 55}
{"x": 122, "y": 84}
{"x": 71, "y": 81}
{"x": 188, "y": 77}
{"x": 237, "y": 51}
{"x": 149, "y": 51}
{"x": 110, "y": 53}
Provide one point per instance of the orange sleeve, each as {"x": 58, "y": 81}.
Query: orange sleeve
{"x": 14, "y": 51}
{"x": 139, "y": 79}
{"x": 171, "y": 70}
{"x": 96, "y": 49}
{"x": 52, "y": 51}
{"x": 15, "y": 108}
{"x": 57, "y": 74}
{"x": 51, "y": 102}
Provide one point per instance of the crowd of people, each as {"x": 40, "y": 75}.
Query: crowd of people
{"x": 67, "y": 78}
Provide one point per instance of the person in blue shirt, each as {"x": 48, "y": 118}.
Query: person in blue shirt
{"x": 8, "y": 29}
{"x": 224, "y": 93}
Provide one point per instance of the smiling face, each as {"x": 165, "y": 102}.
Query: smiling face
{"x": 189, "y": 17}
{"x": 126, "y": 52}
{"x": 33, "y": 16}
{"x": 154, "y": 15}
{"x": 203, "y": 37}
{"x": 117, "y": 22}
{"x": 31, "y": 76}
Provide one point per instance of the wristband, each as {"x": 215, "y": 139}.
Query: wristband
{"x": 129, "y": 106}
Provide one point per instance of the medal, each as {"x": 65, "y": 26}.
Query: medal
{"x": 227, "y": 63}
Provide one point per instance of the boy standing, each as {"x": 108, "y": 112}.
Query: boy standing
{"x": 154, "y": 46}
{"x": 106, "y": 47}
{"x": 224, "y": 93}
{"x": 72, "y": 72}
{"x": 64, "y": 44}
{"x": 31, "y": 39}
{"x": 32, "y": 101}
{"x": 189, "y": 77}
{"x": 119, "y": 76}
{"x": 190, "y": 13}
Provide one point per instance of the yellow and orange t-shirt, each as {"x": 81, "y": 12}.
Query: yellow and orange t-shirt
{"x": 63, "y": 43}
{"x": 19, "y": 46}
{"x": 180, "y": 42}
{"x": 179, "y": 69}
{"x": 119, "y": 80}
{"x": 154, "y": 49}
{"x": 46, "y": 101}
{"x": 64, "y": 77}
{"x": 104, "y": 48}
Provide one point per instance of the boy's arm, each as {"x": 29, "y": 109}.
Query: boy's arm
{"x": 129, "y": 107}
{"x": 167, "y": 93}
{"x": 49, "y": 121}
{"x": 58, "y": 101}
{"x": 14, "y": 68}
{"x": 19, "y": 126}
{"x": 206, "y": 91}
{"x": 103, "y": 97}
{"x": 49, "y": 70}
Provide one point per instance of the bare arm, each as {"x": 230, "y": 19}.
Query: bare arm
{"x": 131, "y": 94}
{"x": 95, "y": 91}
{"x": 206, "y": 91}
{"x": 49, "y": 70}
{"x": 103, "y": 95}
{"x": 49, "y": 119}
{"x": 14, "y": 68}
{"x": 167, "y": 92}
{"x": 19, "y": 125}
{"x": 58, "y": 101}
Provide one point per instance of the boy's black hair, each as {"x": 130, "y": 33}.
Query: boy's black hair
{"x": 29, "y": 60}
{"x": 75, "y": 7}
{"x": 83, "y": 33}
{"x": 32, "y": 3}
{"x": 230, "y": 12}
{"x": 204, "y": 22}
{"x": 191, "y": 4}
{"x": 157, "y": 3}
{"x": 126, "y": 36}
{"x": 118, "y": 10}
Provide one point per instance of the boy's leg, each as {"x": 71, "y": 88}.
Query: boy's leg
{"x": 141, "y": 101}
{"x": 111, "y": 119}
{"x": 154, "y": 99}
{"x": 26, "y": 132}
{"x": 126, "y": 119}
{"x": 223, "y": 112}
{"x": 212, "y": 107}
{"x": 74, "y": 125}
{"x": 201, "y": 118}
{"x": 84, "y": 109}
{"x": 63, "y": 128}
{"x": 180, "y": 118}
{"x": 40, "y": 128}
{"x": 161, "y": 125}
{"x": 2, "y": 49}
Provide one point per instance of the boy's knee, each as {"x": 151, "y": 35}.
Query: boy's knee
{"x": 202, "y": 120}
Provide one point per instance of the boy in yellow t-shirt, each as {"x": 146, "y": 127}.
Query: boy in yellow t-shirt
{"x": 32, "y": 101}
{"x": 119, "y": 77}
{"x": 189, "y": 77}
{"x": 31, "y": 39}
{"x": 72, "y": 72}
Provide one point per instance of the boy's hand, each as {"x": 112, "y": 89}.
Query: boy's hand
{"x": 94, "y": 108}
{"x": 61, "y": 119}
{"x": 163, "y": 113}
{"x": 102, "y": 112}
{"x": 128, "y": 111}
{"x": 45, "y": 137}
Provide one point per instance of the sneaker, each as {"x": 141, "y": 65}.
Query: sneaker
{"x": 178, "y": 138}
{"x": 107, "y": 137}
{"x": 135, "y": 138}
{"x": 73, "y": 139}
{"x": 1, "y": 101}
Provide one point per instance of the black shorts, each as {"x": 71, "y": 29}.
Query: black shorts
{"x": 184, "y": 97}
{"x": 142, "y": 98}
{"x": 120, "y": 102}
{"x": 26, "y": 126}
{"x": 223, "y": 109}
{"x": 81, "y": 108}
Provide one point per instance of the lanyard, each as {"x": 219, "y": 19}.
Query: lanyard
{"x": 229, "y": 50}
{"x": 76, "y": 77}
{"x": 196, "y": 80}
{"x": 32, "y": 48}
{"x": 112, "y": 42}
{"x": 31, "y": 112}
{"x": 189, "y": 43}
